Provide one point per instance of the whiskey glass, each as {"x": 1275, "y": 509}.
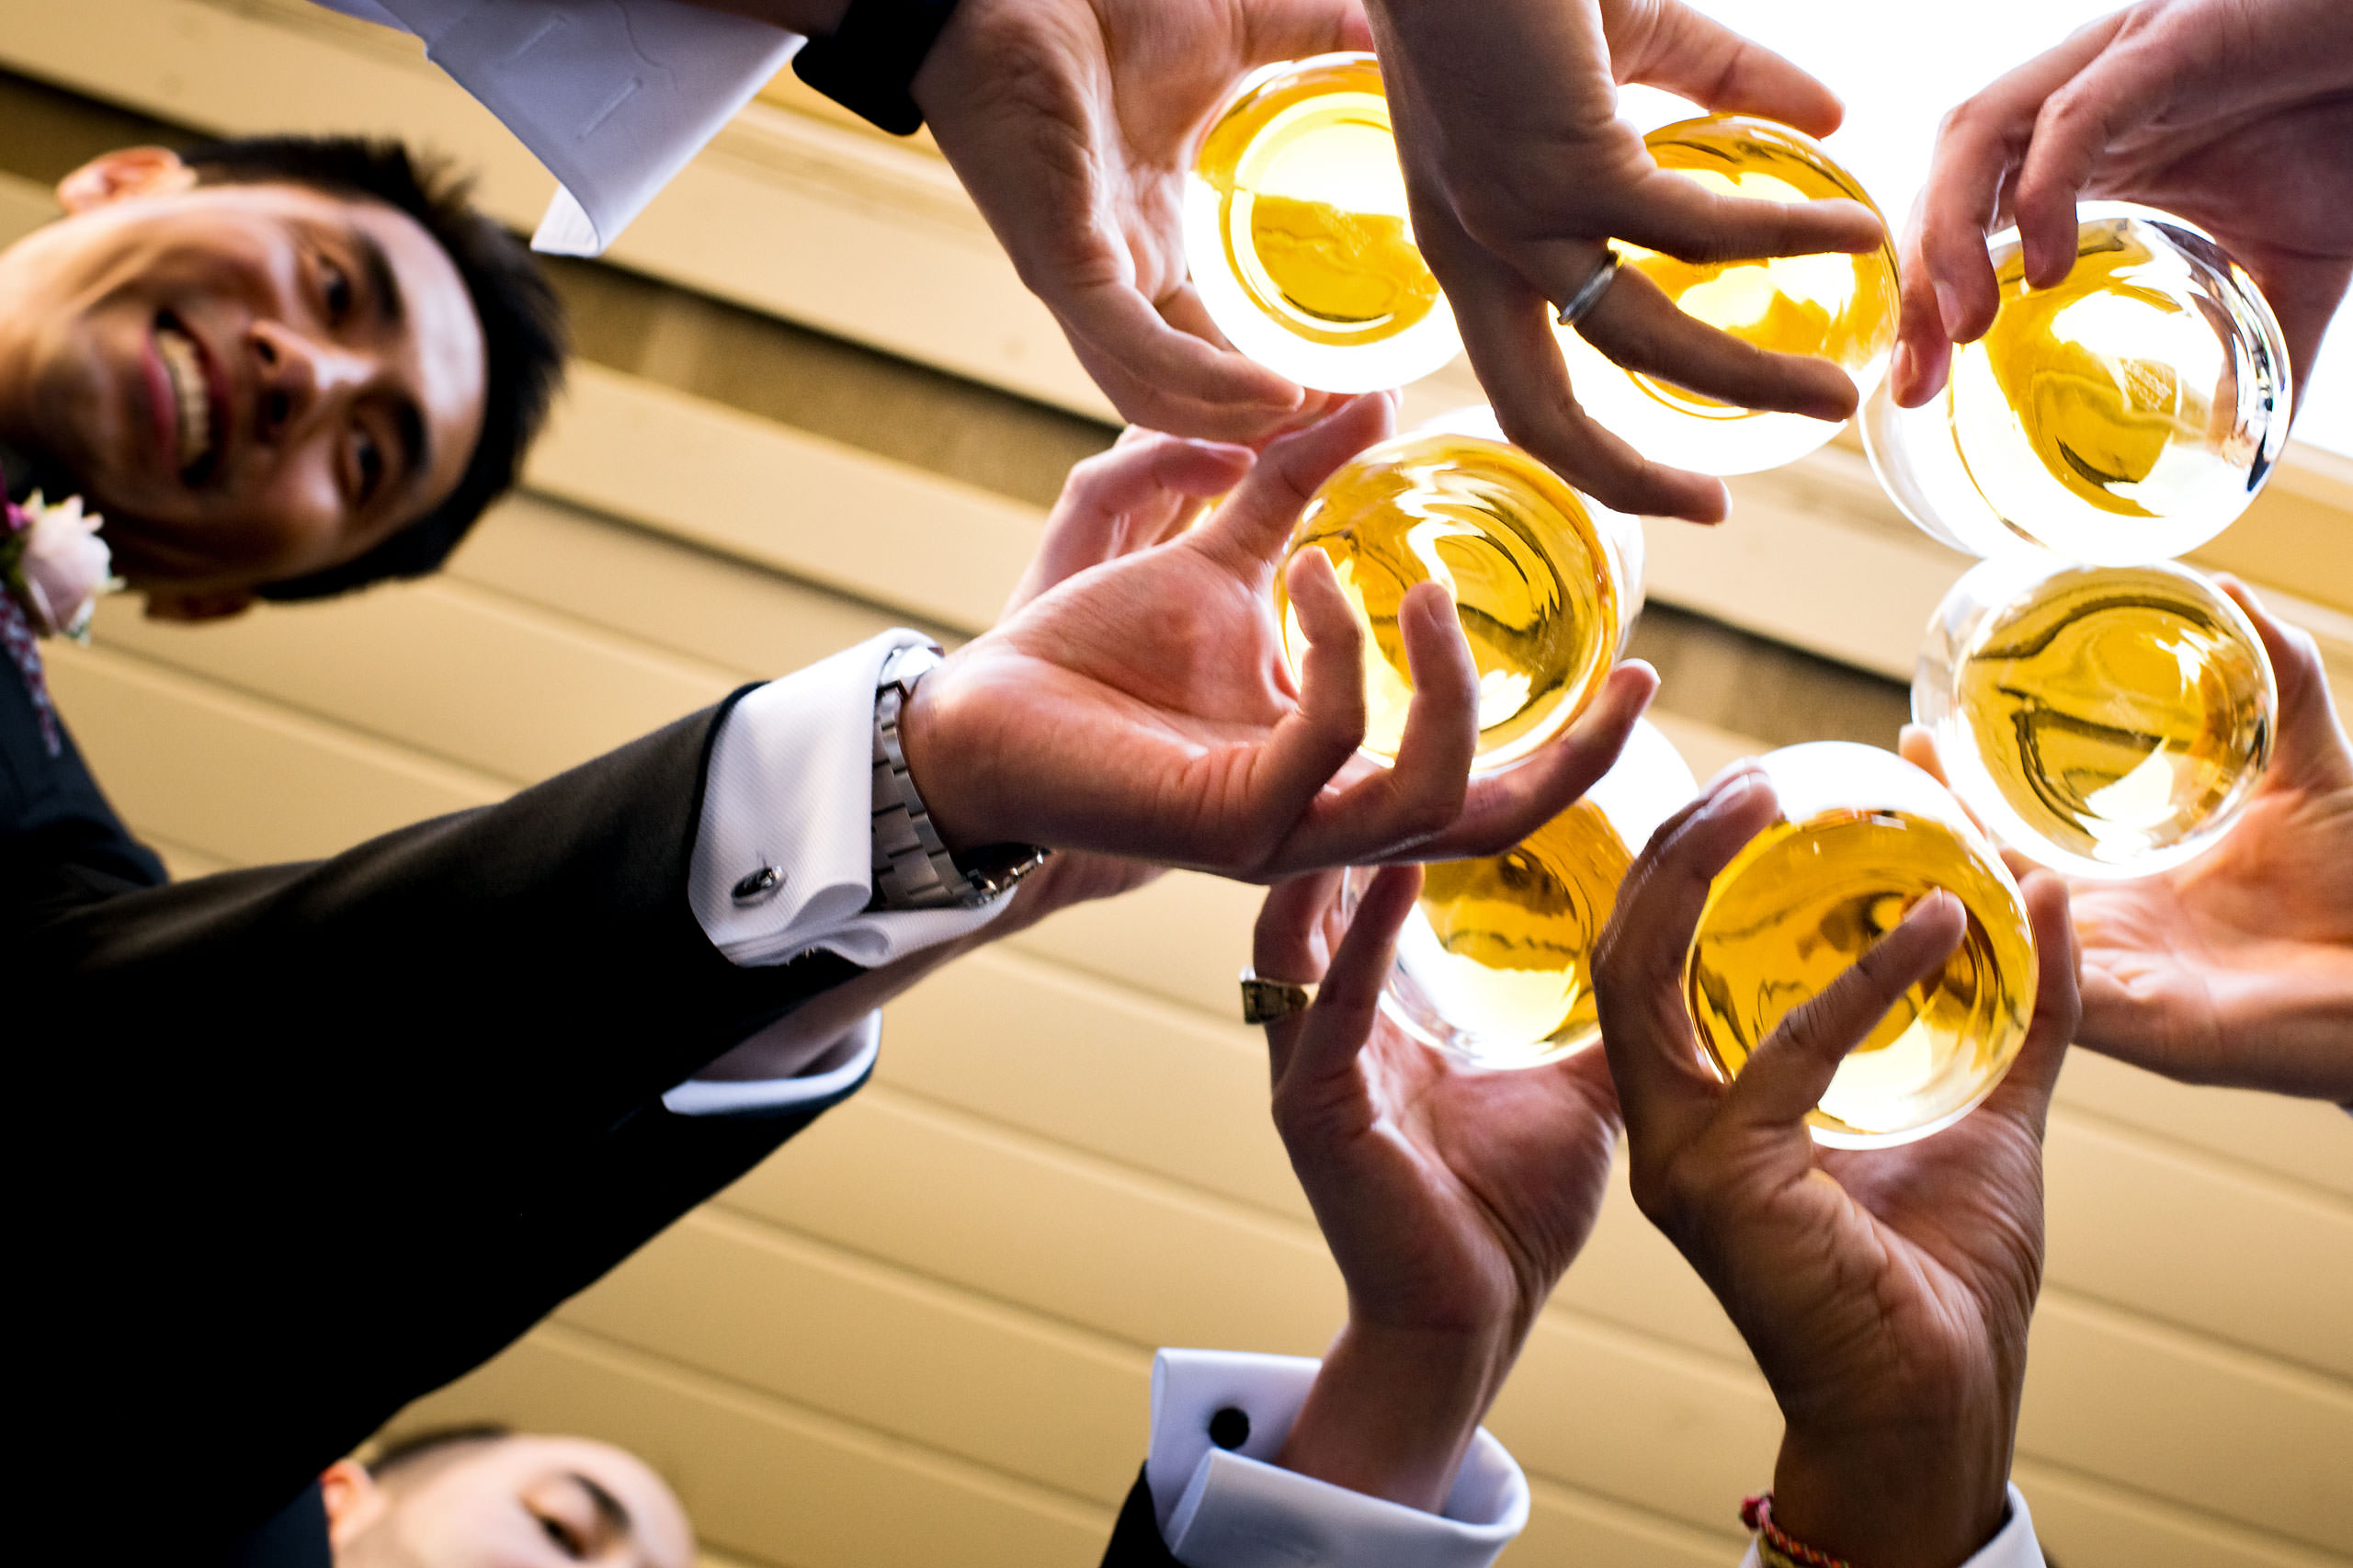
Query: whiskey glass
{"x": 1547, "y": 583}
{"x": 1831, "y": 306}
{"x": 2128, "y": 416}
{"x": 1297, "y": 235}
{"x": 1861, "y": 837}
{"x": 2108, "y": 722}
{"x": 1494, "y": 965}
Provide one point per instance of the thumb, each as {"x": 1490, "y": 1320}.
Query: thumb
{"x": 1790, "y": 1071}
{"x": 1251, "y": 529}
{"x": 2312, "y": 751}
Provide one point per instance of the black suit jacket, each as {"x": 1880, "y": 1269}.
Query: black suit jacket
{"x": 297, "y": 1145}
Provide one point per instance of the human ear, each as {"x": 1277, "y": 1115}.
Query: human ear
{"x": 124, "y": 172}
{"x": 196, "y": 604}
{"x": 353, "y": 1501}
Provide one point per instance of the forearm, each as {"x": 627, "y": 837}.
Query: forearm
{"x": 1868, "y": 1500}
{"x": 1393, "y": 1413}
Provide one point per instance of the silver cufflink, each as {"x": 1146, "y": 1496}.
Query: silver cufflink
{"x": 759, "y": 886}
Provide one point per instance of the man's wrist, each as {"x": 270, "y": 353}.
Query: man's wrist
{"x": 939, "y": 766}
{"x": 1393, "y": 1412}
{"x": 1881, "y": 1503}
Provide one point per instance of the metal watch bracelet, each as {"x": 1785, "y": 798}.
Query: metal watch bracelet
{"x": 912, "y": 870}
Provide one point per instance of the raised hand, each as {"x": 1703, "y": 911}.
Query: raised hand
{"x": 1143, "y": 707}
{"x": 1452, "y": 1199}
{"x": 2237, "y": 969}
{"x": 2235, "y": 114}
{"x": 1519, "y": 175}
{"x": 1885, "y": 1294}
{"x": 1071, "y": 123}
{"x": 1141, "y": 492}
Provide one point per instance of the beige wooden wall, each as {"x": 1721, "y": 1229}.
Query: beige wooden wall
{"x": 921, "y": 1333}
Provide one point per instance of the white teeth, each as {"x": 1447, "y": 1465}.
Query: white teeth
{"x": 181, "y": 362}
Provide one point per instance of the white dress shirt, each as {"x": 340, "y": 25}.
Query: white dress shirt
{"x": 1235, "y": 1508}
{"x": 791, "y": 788}
{"x": 615, "y": 97}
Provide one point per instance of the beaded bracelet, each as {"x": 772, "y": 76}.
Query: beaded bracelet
{"x": 1775, "y": 1548}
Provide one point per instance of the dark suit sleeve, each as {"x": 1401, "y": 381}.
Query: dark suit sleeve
{"x": 1135, "y": 1539}
{"x": 304, "y": 1142}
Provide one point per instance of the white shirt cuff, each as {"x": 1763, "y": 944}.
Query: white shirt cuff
{"x": 2012, "y": 1546}
{"x": 1235, "y": 1508}
{"x": 775, "y": 1097}
{"x": 615, "y": 97}
{"x": 792, "y": 786}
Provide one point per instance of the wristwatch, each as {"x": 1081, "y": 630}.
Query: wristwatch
{"x": 912, "y": 870}
{"x": 871, "y": 60}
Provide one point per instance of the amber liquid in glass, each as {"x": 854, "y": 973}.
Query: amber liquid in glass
{"x": 2107, "y": 399}
{"x": 1835, "y": 307}
{"x": 1510, "y": 955}
{"x": 1802, "y": 902}
{"x": 1312, "y": 207}
{"x": 1533, "y": 581}
{"x": 2117, "y": 711}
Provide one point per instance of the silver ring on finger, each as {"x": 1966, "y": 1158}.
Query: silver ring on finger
{"x": 1580, "y": 304}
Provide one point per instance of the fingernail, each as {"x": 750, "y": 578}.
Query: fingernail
{"x": 1948, "y": 307}
{"x": 1730, "y": 771}
{"x": 1899, "y": 371}
{"x": 1734, "y": 793}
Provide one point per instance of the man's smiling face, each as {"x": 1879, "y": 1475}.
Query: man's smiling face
{"x": 252, "y": 381}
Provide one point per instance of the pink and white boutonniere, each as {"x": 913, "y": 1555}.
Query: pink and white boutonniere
{"x": 53, "y": 566}
{"x": 54, "y": 563}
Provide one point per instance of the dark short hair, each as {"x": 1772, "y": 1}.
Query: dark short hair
{"x": 522, "y": 324}
{"x": 434, "y": 1442}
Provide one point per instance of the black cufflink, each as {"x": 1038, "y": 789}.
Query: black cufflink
{"x": 759, "y": 886}
{"x": 1229, "y": 1428}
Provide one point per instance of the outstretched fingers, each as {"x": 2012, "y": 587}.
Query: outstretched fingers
{"x": 1154, "y": 373}
{"x": 2025, "y": 1092}
{"x": 1384, "y": 815}
{"x": 1981, "y": 141}
{"x": 1787, "y": 1077}
{"x": 1316, "y": 739}
{"x": 1347, "y": 1005}
{"x": 1637, "y": 966}
{"x": 1250, "y": 530}
{"x": 1290, "y": 944}
{"x": 2313, "y": 752}
{"x": 1507, "y": 329}
{"x": 1502, "y": 809}
{"x": 2125, "y": 84}
{"x": 1639, "y": 328}
{"x": 1667, "y": 212}
{"x": 1676, "y": 47}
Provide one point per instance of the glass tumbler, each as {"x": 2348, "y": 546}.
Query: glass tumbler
{"x": 2128, "y": 416}
{"x": 1494, "y": 965}
{"x": 1832, "y": 306}
{"x": 2109, "y": 721}
{"x": 1547, "y": 583}
{"x": 1862, "y": 836}
{"x": 1297, "y": 235}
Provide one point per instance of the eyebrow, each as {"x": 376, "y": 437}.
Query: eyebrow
{"x": 416, "y": 443}
{"x": 608, "y": 1507}
{"x": 384, "y": 285}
